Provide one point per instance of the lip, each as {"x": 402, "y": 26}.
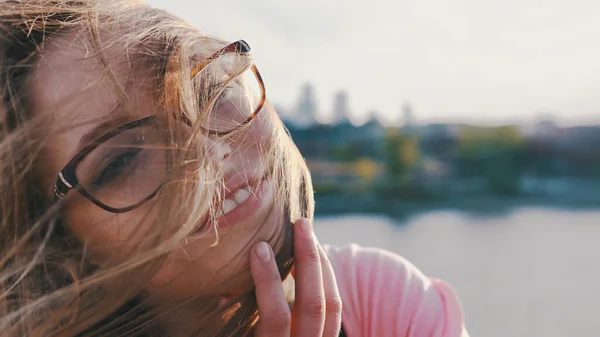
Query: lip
{"x": 260, "y": 198}
{"x": 231, "y": 186}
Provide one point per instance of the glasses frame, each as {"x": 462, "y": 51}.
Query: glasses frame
{"x": 67, "y": 178}
{"x": 240, "y": 47}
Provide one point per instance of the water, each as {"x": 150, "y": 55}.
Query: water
{"x": 531, "y": 272}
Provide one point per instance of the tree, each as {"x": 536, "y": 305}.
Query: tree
{"x": 366, "y": 169}
{"x": 401, "y": 155}
{"x": 497, "y": 154}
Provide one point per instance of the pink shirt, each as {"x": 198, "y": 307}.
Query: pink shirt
{"x": 385, "y": 295}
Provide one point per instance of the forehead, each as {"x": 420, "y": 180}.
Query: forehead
{"x": 71, "y": 90}
{"x": 71, "y": 81}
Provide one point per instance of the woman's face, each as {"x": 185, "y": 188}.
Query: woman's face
{"x": 198, "y": 267}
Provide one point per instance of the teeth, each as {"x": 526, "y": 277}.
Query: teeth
{"x": 228, "y": 205}
{"x": 241, "y": 195}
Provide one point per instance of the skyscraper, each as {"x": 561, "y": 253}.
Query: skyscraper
{"x": 341, "y": 111}
{"x": 408, "y": 123}
{"x": 306, "y": 110}
{"x": 408, "y": 115}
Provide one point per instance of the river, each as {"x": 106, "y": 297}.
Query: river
{"x": 529, "y": 272}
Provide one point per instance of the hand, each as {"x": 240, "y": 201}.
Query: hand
{"x": 317, "y": 311}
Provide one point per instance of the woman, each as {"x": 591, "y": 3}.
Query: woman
{"x": 148, "y": 188}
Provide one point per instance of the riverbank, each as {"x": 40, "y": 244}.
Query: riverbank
{"x": 398, "y": 208}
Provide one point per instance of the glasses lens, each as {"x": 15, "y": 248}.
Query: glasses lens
{"x": 126, "y": 169}
{"x": 237, "y": 100}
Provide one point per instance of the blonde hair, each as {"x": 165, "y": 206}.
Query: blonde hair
{"x": 48, "y": 283}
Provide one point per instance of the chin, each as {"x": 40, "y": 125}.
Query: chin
{"x": 201, "y": 270}
{"x": 276, "y": 230}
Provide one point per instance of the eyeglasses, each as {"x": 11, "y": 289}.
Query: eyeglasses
{"x": 126, "y": 167}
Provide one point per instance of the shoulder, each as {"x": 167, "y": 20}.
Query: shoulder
{"x": 384, "y": 294}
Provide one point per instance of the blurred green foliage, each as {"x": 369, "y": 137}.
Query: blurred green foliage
{"x": 497, "y": 154}
{"x": 367, "y": 169}
{"x": 344, "y": 154}
{"x": 401, "y": 153}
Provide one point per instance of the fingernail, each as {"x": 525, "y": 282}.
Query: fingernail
{"x": 305, "y": 227}
{"x": 263, "y": 252}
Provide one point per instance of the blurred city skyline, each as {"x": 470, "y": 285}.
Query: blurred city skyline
{"x": 467, "y": 61}
{"x": 309, "y": 110}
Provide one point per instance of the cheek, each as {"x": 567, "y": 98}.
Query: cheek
{"x": 256, "y": 140}
{"x": 106, "y": 234}
{"x": 261, "y": 129}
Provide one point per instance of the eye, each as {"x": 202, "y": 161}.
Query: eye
{"x": 228, "y": 89}
{"x": 213, "y": 89}
{"x": 122, "y": 163}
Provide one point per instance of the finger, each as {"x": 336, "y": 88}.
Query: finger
{"x": 333, "y": 302}
{"x": 274, "y": 311}
{"x": 309, "y": 308}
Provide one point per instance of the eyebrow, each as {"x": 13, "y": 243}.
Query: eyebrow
{"x": 103, "y": 128}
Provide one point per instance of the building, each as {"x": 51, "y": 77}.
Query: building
{"x": 341, "y": 111}
{"x": 306, "y": 110}
{"x": 408, "y": 123}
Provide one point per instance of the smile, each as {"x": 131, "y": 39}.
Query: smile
{"x": 240, "y": 204}
{"x": 234, "y": 200}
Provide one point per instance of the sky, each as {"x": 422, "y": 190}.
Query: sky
{"x": 490, "y": 62}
